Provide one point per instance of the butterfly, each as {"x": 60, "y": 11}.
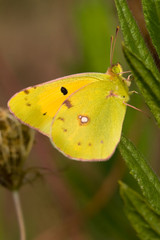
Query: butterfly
{"x": 82, "y": 114}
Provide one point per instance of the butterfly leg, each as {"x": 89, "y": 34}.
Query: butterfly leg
{"x": 129, "y": 78}
{"x": 131, "y": 92}
{"x": 136, "y": 109}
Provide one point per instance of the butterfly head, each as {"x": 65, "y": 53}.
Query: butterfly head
{"x": 115, "y": 69}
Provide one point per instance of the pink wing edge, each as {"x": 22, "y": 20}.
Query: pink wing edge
{"x": 85, "y": 160}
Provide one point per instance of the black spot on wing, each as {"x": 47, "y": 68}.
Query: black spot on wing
{"x": 44, "y": 113}
{"x": 28, "y": 104}
{"x": 64, "y": 90}
{"x": 26, "y": 91}
{"x": 60, "y": 118}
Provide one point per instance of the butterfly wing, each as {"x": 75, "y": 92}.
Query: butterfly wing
{"x": 88, "y": 124}
{"x": 36, "y": 106}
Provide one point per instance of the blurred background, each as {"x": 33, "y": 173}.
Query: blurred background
{"x": 43, "y": 40}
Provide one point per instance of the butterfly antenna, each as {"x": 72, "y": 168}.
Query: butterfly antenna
{"x": 111, "y": 51}
{"x": 125, "y": 72}
{"x": 137, "y": 109}
{"x": 113, "y": 45}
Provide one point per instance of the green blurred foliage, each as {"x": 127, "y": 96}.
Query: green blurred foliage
{"x": 142, "y": 217}
{"x": 42, "y": 40}
{"x": 141, "y": 171}
{"x": 143, "y": 213}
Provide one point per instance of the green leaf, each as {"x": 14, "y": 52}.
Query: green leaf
{"x": 146, "y": 82}
{"x": 143, "y": 219}
{"x": 141, "y": 171}
{"x": 94, "y": 30}
{"x": 151, "y": 11}
{"x": 133, "y": 39}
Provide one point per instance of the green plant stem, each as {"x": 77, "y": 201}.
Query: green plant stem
{"x": 19, "y": 214}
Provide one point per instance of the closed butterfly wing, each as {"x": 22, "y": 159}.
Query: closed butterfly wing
{"x": 88, "y": 124}
{"x": 36, "y": 106}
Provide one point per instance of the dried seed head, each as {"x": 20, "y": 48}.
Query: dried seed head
{"x": 16, "y": 141}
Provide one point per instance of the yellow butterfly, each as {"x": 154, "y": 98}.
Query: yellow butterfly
{"x": 82, "y": 114}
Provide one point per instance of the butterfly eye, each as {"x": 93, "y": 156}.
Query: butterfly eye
{"x": 64, "y": 90}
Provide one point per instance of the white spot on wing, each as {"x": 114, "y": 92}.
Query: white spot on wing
{"x": 83, "y": 119}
